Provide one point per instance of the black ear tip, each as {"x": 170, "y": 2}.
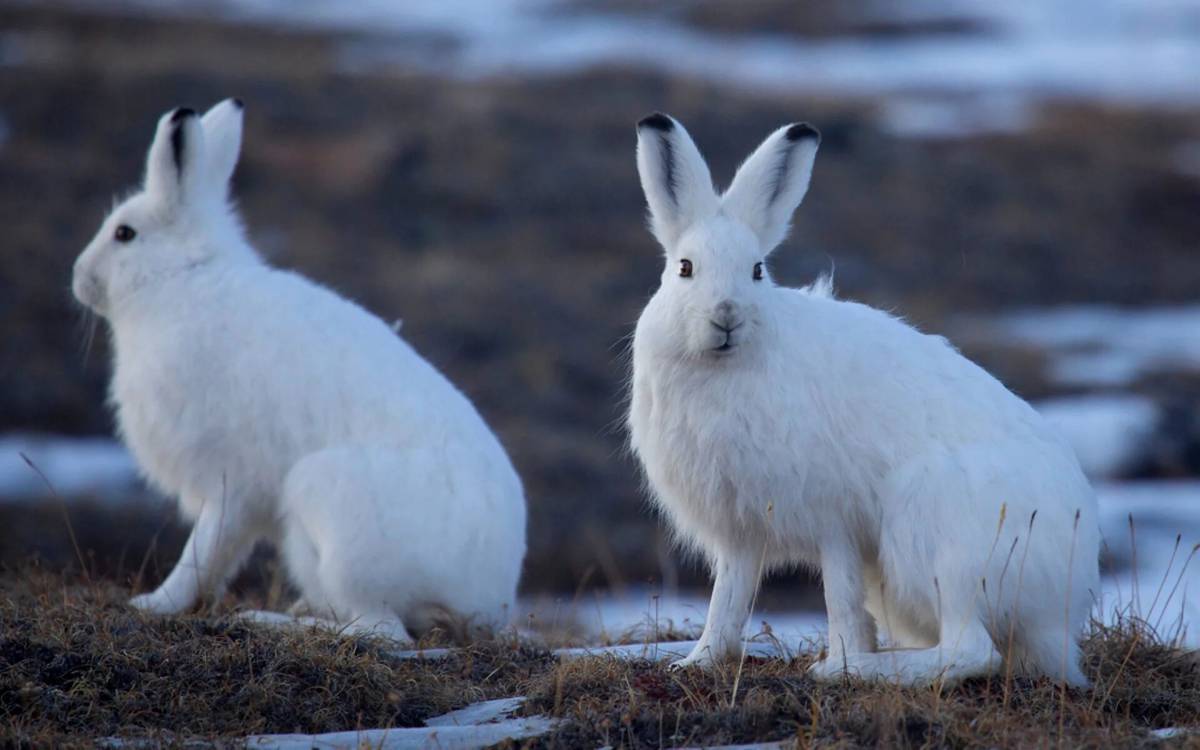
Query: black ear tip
{"x": 181, "y": 113}
{"x": 658, "y": 121}
{"x": 239, "y": 103}
{"x": 802, "y": 131}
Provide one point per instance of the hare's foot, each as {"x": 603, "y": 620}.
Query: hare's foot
{"x": 386, "y": 625}
{"x": 160, "y": 602}
{"x": 972, "y": 656}
{"x": 701, "y": 656}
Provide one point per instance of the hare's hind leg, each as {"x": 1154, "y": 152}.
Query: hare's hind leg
{"x": 901, "y": 624}
{"x": 342, "y": 543}
{"x": 1049, "y": 652}
{"x": 963, "y": 652}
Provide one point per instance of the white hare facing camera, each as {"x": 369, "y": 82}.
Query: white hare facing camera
{"x": 275, "y": 409}
{"x": 782, "y": 427}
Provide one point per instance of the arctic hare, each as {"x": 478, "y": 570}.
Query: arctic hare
{"x": 782, "y": 427}
{"x": 274, "y": 408}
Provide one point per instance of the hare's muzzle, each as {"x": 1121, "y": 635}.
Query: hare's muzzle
{"x": 725, "y": 320}
{"x": 87, "y": 288}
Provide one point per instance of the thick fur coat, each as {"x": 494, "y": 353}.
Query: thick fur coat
{"x": 781, "y": 427}
{"x": 275, "y": 409}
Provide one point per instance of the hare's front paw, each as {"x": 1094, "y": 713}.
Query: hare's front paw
{"x": 838, "y": 666}
{"x": 157, "y": 603}
{"x": 701, "y": 656}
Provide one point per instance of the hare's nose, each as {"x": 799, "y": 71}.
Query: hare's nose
{"x": 727, "y": 315}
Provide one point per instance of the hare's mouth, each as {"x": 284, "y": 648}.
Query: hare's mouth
{"x": 725, "y": 346}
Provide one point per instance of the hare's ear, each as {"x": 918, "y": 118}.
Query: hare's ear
{"x": 175, "y": 168}
{"x": 222, "y": 141}
{"x": 674, "y": 177}
{"x": 771, "y": 183}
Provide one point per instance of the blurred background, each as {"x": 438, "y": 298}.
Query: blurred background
{"x": 1023, "y": 177}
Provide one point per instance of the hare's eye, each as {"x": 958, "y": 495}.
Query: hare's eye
{"x": 758, "y": 271}
{"x": 124, "y": 233}
{"x": 685, "y": 268}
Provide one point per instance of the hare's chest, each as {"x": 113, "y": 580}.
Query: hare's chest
{"x": 147, "y": 405}
{"x": 717, "y": 457}
{"x": 164, "y": 412}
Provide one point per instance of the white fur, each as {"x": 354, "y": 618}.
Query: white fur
{"x": 833, "y": 435}
{"x": 275, "y": 409}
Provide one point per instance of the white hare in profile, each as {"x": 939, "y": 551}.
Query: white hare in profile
{"x": 276, "y": 409}
{"x": 782, "y": 427}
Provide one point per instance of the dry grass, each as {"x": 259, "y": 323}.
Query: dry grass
{"x": 1140, "y": 684}
{"x": 76, "y": 664}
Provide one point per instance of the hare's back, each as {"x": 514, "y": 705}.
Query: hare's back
{"x": 329, "y": 370}
{"x": 897, "y": 374}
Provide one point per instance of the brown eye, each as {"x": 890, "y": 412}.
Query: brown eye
{"x": 685, "y": 268}
{"x": 124, "y": 233}
{"x": 758, "y": 271}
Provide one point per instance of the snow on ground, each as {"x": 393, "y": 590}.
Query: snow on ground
{"x": 1152, "y": 582}
{"x": 1105, "y": 346}
{"x": 760, "y": 647}
{"x": 73, "y": 467}
{"x": 605, "y": 614}
{"x": 1107, "y": 431}
{"x": 1111, "y": 50}
{"x": 440, "y": 736}
{"x": 954, "y": 116}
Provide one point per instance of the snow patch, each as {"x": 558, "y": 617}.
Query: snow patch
{"x": 955, "y": 117}
{"x": 648, "y": 612}
{"x": 1110, "y": 50}
{"x": 668, "y": 650}
{"x": 1101, "y": 345}
{"x": 478, "y": 713}
{"x": 412, "y": 738}
{"x": 1107, "y": 431}
{"x": 72, "y": 466}
{"x": 1152, "y": 563}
